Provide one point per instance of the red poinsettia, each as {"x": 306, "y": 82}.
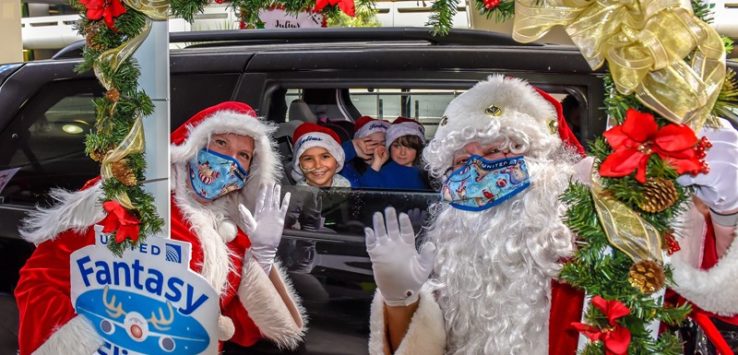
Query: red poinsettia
{"x": 615, "y": 338}
{"x": 347, "y": 6}
{"x": 125, "y": 224}
{"x": 107, "y": 9}
{"x": 639, "y": 137}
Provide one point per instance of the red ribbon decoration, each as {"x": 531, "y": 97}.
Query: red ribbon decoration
{"x": 616, "y": 338}
{"x": 125, "y": 224}
{"x": 347, "y": 6}
{"x": 639, "y": 137}
{"x": 107, "y": 9}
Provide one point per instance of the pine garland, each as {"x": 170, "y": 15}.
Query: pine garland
{"x": 442, "y": 19}
{"x": 116, "y": 113}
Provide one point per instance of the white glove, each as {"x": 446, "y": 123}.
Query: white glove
{"x": 264, "y": 227}
{"x": 399, "y": 270}
{"x": 718, "y": 189}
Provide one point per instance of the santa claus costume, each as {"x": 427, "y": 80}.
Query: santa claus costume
{"x": 256, "y": 300}
{"x": 490, "y": 291}
{"x": 487, "y": 290}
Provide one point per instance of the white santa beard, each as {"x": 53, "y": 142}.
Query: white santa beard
{"x": 494, "y": 268}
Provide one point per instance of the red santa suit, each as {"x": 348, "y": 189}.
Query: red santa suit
{"x": 254, "y": 304}
{"x": 459, "y": 309}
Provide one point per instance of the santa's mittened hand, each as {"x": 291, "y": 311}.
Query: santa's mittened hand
{"x": 399, "y": 270}
{"x": 718, "y": 189}
{"x": 264, "y": 226}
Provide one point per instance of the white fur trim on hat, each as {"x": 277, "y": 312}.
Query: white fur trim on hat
{"x": 311, "y": 140}
{"x": 266, "y": 165}
{"x": 372, "y": 127}
{"x": 398, "y": 130}
{"x": 523, "y": 119}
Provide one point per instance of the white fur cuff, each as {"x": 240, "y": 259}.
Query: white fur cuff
{"x": 425, "y": 335}
{"x": 76, "y": 337}
{"x": 714, "y": 290}
{"x": 272, "y": 304}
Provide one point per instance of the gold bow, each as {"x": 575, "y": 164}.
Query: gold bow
{"x": 645, "y": 43}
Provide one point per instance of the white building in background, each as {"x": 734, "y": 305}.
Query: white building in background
{"x": 46, "y": 34}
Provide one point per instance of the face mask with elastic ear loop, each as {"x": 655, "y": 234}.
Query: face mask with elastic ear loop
{"x": 481, "y": 184}
{"x": 214, "y": 175}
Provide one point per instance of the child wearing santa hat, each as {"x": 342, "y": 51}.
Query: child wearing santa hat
{"x": 404, "y": 145}
{"x": 369, "y": 134}
{"x": 318, "y": 157}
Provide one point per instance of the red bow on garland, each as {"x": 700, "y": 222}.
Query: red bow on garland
{"x": 616, "y": 338}
{"x": 108, "y": 9}
{"x": 639, "y": 137}
{"x": 347, "y": 6}
{"x": 120, "y": 220}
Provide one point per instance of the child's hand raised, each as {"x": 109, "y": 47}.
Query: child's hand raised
{"x": 365, "y": 147}
{"x": 381, "y": 156}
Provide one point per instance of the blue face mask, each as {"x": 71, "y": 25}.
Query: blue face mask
{"x": 213, "y": 175}
{"x": 481, "y": 184}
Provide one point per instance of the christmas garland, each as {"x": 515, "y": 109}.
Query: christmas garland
{"x": 112, "y": 30}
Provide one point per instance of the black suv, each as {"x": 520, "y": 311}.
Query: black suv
{"x": 331, "y": 75}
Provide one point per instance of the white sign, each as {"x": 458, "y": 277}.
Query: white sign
{"x": 5, "y": 176}
{"x": 146, "y": 302}
{"x": 278, "y": 18}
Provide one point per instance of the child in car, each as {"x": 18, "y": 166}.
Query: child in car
{"x": 318, "y": 157}
{"x": 369, "y": 134}
{"x": 404, "y": 145}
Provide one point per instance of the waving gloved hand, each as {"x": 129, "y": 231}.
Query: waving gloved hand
{"x": 718, "y": 189}
{"x": 399, "y": 269}
{"x": 264, "y": 227}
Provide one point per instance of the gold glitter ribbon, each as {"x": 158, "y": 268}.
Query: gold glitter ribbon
{"x": 133, "y": 143}
{"x": 625, "y": 229}
{"x": 645, "y": 43}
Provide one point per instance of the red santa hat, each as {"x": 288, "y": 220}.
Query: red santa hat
{"x": 403, "y": 126}
{"x": 367, "y": 125}
{"x": 309, "y": 135}
{"x": 227, "y": 117}
{"x": 500, "y": 106}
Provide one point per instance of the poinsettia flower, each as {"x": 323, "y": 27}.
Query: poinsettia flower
{"x": 347, "y": 6}
{"x": 108, "y": 10}
{"x": 119, "y": 220}
{"x": 616, "y": 338}
{"x": 639, "y": 137}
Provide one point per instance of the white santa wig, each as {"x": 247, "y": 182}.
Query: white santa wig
{"x": 494, "y": 268}
{"x": 215, "y": 223}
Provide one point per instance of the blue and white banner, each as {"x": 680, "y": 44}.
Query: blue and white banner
{"x": 146, "y": 302}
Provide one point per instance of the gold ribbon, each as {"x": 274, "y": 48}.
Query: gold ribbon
{"x": 625, "y": 229}
{"x": 133, "y": 143}
{"x": 645, "y": 43}
{"x": 157, "y": 10}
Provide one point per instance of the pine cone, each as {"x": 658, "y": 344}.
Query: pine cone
{"x": 113, "y": 95}
{"x": 123, "y": 173}
{"x": 647, "y": 276}
{"x": 658, "y": 195}
{"x": 97, "y": 155}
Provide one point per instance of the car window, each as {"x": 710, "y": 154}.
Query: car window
{"x": 45, "y": 141}
{"x": 191, "y": 93}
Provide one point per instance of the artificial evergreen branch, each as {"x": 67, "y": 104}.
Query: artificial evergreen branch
{"x": 442, "y": 19}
